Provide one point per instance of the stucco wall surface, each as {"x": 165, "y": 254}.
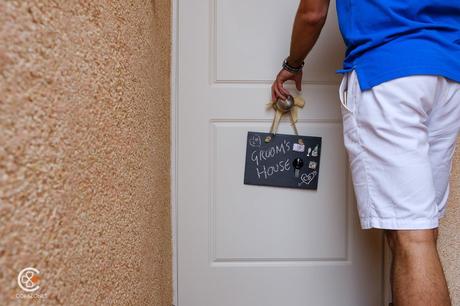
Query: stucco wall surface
{"x": 449, "y": 239}
{"x": 84, "y": 151}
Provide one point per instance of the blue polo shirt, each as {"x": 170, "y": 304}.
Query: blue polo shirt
{"x": 387, "y": 39}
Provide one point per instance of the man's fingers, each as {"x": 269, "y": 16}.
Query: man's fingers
{"x": 273, "y": 93}
{"x": 298, "y": 83}
{"x": 278, "y": 92}
{"x": 282, "y": 89}
{"x": 284, "y": 93}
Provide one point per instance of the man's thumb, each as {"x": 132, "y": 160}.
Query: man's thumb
{"x": 298, "y": 83}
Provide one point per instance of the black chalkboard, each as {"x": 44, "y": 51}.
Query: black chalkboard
{"x": 271, "y": 164}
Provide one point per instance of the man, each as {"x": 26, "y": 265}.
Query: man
{"x": 400, "y": 97}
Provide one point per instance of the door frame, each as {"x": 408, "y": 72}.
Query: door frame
{"x": 174, "y": 132}
{"x": 174, "y": 85}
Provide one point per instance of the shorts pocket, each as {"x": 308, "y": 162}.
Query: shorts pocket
{"x": 347, "y": 104}
{"x": 348, "y": 97}
{"x": 346, "y": 93}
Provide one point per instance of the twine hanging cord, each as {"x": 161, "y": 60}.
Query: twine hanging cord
{"x": 282, "y": 107}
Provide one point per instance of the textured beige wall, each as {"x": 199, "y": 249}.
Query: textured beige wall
{"x": 84, "y": 151}
{"x": 449, "y": 243}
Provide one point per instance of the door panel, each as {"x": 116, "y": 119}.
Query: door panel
{"x": 249, "y": 35}
{"x": 254, "y": 245}
{"x": 263, "y": 223}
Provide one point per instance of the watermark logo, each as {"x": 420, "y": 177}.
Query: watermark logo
{"x": 29, "y": 279}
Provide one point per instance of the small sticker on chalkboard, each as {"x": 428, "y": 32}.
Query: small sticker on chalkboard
{"x": 271, "y": 163}
{"x": 298, "y": 147}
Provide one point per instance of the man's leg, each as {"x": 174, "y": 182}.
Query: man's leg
{"x": 400, "y": 137}
{"x": 416, "y": 273}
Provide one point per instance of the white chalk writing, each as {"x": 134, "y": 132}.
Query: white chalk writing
{"x": 266, "y": 154}
{"x": 266, "y": 171}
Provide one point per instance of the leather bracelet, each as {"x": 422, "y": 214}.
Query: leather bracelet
{"x": 292, "y": 69}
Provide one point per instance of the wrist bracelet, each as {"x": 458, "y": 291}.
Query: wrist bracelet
{"x": 292, "y": 69}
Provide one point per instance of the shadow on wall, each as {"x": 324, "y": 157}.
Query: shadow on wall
{"x": 84, "y": 152}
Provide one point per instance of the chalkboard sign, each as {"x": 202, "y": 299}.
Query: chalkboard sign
{"x": 282, "y": 162}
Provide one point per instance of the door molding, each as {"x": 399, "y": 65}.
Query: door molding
{"x": 173, "y": 128}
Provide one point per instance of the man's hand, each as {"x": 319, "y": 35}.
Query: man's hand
{"x": 278, "y": 91}
{"x": 309, "y": 20}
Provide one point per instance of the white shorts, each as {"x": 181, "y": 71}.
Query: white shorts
{"x": 400, "y": 137}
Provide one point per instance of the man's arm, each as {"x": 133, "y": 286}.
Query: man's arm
{"x": 309, "y": 20}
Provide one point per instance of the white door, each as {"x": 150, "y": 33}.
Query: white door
{"x": 241, "y": 245}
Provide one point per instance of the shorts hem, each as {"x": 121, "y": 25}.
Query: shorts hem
{"x": 398, "y": 224}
